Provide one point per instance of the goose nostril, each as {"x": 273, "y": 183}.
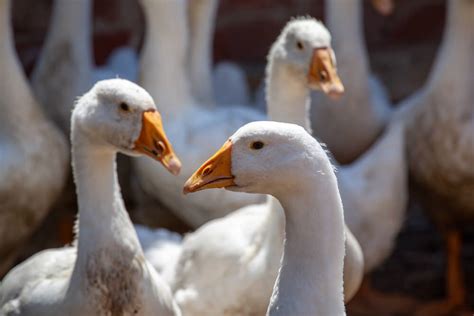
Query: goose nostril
{"x": 206, "y": 171}
{"x": 159, "y": 148}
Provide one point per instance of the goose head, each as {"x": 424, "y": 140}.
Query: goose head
{"x": 121, "y": 116}
{"x": 261, "y": 157}
{"x": 304, "y": 47}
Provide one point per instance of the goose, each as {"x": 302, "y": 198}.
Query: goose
{"x": 189, "y": 123}
{"x": 239, "y": 253}
{"x": 105, "y": 273}
{"x": 350, "y": 125}
{"x": 440, "y": 144}
{"x": 372, "y": 187}
{"x": 106, "y": 267}
{"x": 65, "y": 60}
{"x": 33, "y": 153}
{"x": 283, "y": 160}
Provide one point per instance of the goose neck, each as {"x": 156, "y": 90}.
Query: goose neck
{"x": 310, "y": 278}
{"x": 345, "y": 22}
{"x": 201, "y": 25}
{"x": 163, "y": 63}
{"x": 104, "y": 225}
{"x": 287, "y": 95}
{"x": 273, "y": 225}
{"x": 18, "y": 105}
{"x": 71, "y": 25}
{"x": 458, "y": 42}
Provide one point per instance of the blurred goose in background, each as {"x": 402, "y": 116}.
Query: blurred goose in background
{"x": 351, "y": 125}
{"x": 226, "y": 84}
{"x": 33, "y": 152}
{"x": 283, "y": 160}
{"x": 440, "y": 142}
{"x": 65, "y": 60}
{"x": 105, "y": 272}
{"x": 239, "y": 254}
{"x": 194, "y": 130}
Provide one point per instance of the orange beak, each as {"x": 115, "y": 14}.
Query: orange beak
{"x": 384, "y": 7}
{"x": 214, "y": 173}
{"x": 323, "y": 74}
{"x": 154, "y": 143}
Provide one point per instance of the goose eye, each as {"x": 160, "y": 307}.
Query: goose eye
{"x": 124, "y": 107}
{"x": 257, "y": 145}
{"x": 299, "y": 45}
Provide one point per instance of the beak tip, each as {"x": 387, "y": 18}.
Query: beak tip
{"x": 187, "y": 188}
{"x": 174, "y": 166}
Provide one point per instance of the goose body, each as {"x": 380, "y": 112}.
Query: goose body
{"x": 194, "y": 130}
{"x": 290, "y": 165}
{"x": 440, "y": 142}
{"x": 105, "y": 272}
{"x": 239, "y": 254}
{"x": 33, "y": 153}
{"x": 350, "y": 125}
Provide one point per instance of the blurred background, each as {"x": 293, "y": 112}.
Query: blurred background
{"x": 401, "y": 48}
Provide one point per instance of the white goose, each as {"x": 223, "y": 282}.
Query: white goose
{"x": 350, "y": 126}
{"x": 239, "y": 253}
{"x": 283, "y": 160}
{"x": 33, "y": 153}
{"x": 65, "y": 60}
{"x": 194, "y": 131}
{"x": 440, "y": 145}
{"x": 105, "y": 273}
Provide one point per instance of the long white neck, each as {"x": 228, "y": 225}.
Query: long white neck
{"x": 70, "y": 30}
{"x": 454, "y": 64}
{"x": 17, "y": 105}
{"x": 287, "y": 95}
{"x": 310, "y": 277}
{"x": 163, "y": 61}
{"x": 345, "y": 22}
{"x": 104, "y": 225}
{"x": 202, "y": 14}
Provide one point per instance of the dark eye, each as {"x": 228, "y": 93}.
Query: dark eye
{"x": 257, "y": 145}
{"x": 299, "y": 45}
{"x": 124, "y": 107}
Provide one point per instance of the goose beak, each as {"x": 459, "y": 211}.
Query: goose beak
{"x": 154, "y": 143}
{"x": 323, "y": 74}
{"x": 384, "y": 7}
{"x": 214, "y": 173}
